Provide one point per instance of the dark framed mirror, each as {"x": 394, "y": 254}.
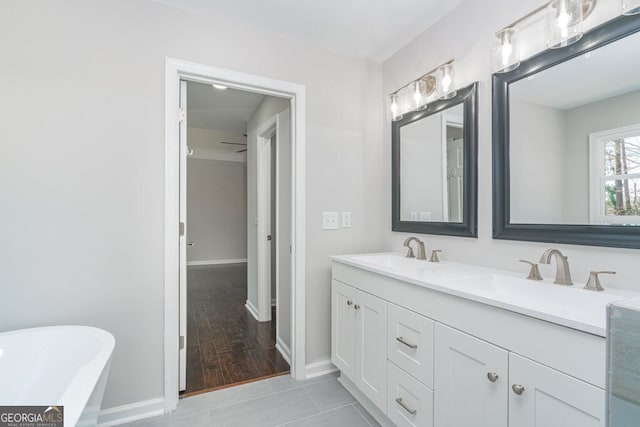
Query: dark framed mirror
{"x": 434, "y": 167}
{"x": 566, "y": 142}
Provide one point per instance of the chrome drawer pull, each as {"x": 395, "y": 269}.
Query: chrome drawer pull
{"x": 413, "y": 346}
{"x": 405, "y": 407}
{"x": 493, "y": 377}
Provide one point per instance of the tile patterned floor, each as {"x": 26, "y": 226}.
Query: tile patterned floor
{"x": 279, "y": 401}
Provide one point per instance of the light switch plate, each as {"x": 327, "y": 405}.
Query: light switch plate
{"x": 346, "y": 219}
{"x": 329, "y": 220}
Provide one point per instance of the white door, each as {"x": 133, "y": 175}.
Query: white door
{"x": 371, "y": 348}
{"x": 548, "y": 398}
{"x": 343, "y": 332}
{"x": 455, "y": 174}
{"x": 470, "y": 381}
{"x": 183, "y": 236}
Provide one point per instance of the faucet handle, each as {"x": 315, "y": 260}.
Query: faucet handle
{"x": 593, "y": 284}
{"x": 410, "y": 253}
{"x": 534, "y": 273}
{"x": 434, "y": 255}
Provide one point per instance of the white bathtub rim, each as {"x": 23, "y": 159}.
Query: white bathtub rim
{"x": 89, "y": 373}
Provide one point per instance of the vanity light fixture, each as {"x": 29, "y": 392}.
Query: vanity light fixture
{"x": 445, "y": 83}
{"x": 564, "y": 27}
{"x": 564, "y": 22}
{"x": 416, "y": 95}
{"x": 393, "y": 108}
{"x": 505, "y": 56}
{"x": 630, "y": 7}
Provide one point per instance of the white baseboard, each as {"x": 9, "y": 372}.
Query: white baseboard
{"x": 217, "y": 261}
{"x": 132, "y": 412}
{"x": 284, "y": 350}
{"x": 317, "y": 369}
{"x": 252, "y": 309}
{"x": 372, "y": 409}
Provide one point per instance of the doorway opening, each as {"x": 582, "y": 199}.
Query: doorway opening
{"x": 235, "y": 181}
{"x": 283, "y": 257}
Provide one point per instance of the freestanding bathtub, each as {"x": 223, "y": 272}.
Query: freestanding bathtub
{"x": 56, "y": 365}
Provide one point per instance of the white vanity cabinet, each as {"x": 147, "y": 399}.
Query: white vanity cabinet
{"x": 550, "y": 398}
{"x": 423, "y": 357}
{"x": 471, "y": 380}
{"x": 359, "y": 340}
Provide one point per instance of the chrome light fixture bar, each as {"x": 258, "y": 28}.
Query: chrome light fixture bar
{"x": 415, "y": 95}
{"x": 564, "y": 26}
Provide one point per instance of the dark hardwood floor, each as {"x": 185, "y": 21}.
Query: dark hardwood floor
{"x": 225, "y": 344}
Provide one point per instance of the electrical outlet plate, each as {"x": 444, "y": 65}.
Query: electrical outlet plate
{"x": 329, "y": 220}
{"x": 346, "y": 219}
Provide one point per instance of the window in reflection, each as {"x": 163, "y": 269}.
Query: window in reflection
{"x": 615, "y": 170}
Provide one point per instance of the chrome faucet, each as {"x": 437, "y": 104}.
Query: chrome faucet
{"x": 563, "y": 275}
{"x": 421, "y": 250}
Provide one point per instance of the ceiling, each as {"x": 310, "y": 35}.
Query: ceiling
{"x": 222, "y": 110}
{"x": 603, "y": 73}
{"x": 370, "y": 29}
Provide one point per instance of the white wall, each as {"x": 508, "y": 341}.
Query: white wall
{"x": 216, "y": 210}
{"x": 537, "y": 148}
{"x": 268, "y": 108}
{"x": 82, "y": 165}
{"x": 468, "y": 39}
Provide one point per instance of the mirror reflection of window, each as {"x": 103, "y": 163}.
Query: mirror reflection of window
{"x": 615, "y": 176}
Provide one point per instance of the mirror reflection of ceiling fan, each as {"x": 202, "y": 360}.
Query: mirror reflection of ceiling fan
{"x": 237, "y": 143}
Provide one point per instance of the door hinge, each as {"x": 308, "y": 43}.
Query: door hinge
{"x": 268, "y": 237}
{"x": 181, "y": 229}
{"x": 181, "y": 342}
{"x": 182, "y": 115}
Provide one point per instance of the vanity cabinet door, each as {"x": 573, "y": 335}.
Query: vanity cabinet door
{"x": 343, "y": 328}
{"x": 470, "y": 381}
{"x": 371, "y": 348}
{"x": 548, "y": 398}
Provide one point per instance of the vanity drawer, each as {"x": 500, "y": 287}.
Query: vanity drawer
{"x": 409, "y": 402}
{"x": 410, "y": 343}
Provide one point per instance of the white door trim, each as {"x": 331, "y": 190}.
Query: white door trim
{"x": 175, "y": 70}
{"x": 264, "y": 165}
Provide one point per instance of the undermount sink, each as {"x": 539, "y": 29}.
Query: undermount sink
{"x": 570, "y": 306}
{"x": 414, "y": 268}
{"x": 568, "y": 302}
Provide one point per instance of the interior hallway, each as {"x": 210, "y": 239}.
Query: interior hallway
{"x": 225, "y": 344}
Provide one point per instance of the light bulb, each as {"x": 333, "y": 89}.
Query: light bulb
{"x": 564, "y": 22}
{"x": 393, "y": 107}
{"x": 446, "y": 83}
{"x": 507, "y": 50}
{"x": 417, "y": 96}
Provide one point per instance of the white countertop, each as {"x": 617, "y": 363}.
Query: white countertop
{"x": 570, "y": 306}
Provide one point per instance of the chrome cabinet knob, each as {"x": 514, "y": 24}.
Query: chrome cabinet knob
{"x": 357, "y": 307}
{"x": 349, "y": 302}
{"x": 493, "y": 377}
{"x": 517, "y": 389}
